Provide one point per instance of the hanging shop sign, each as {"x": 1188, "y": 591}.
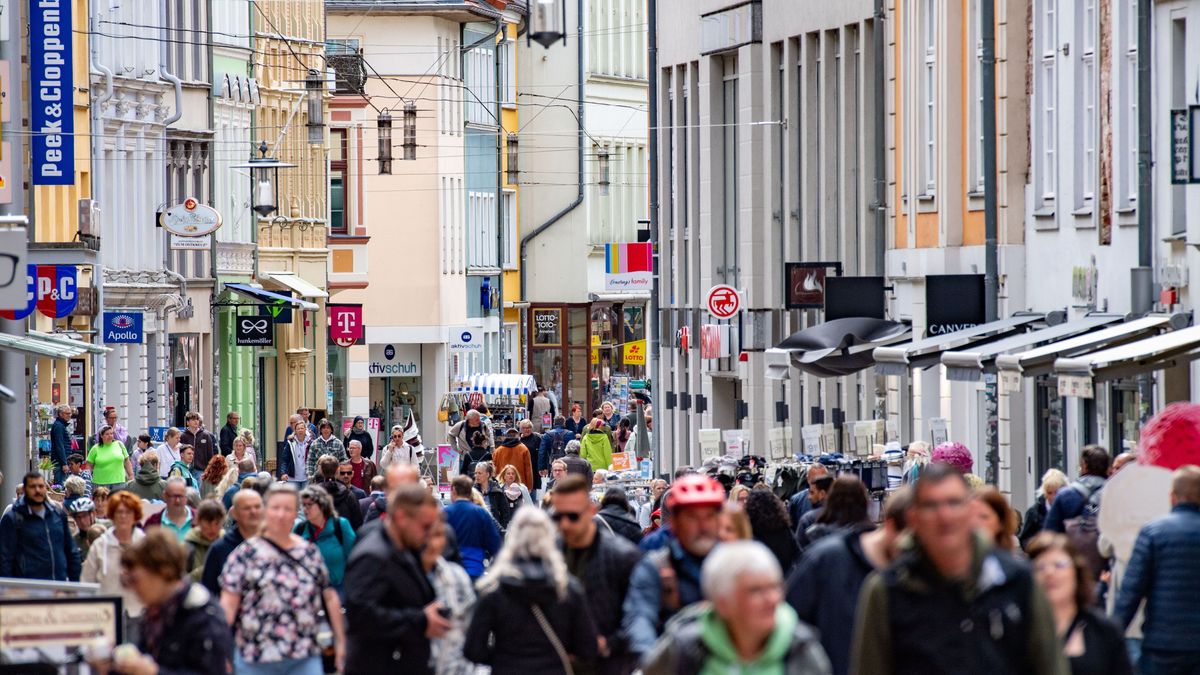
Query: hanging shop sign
{"x": 634, "y": 353}
{"x": 278, "y": 311}
{"x": 56, "y": 290}
{"x": 723, "y": 301}
{"x": 190, "y": 219}
{"x": 546, "y": 327}
{"x": 628, "y": 267}
{"x": 181, "y": 243}
{"x": 14, "y": 293}
{"x": 124, "y": 328}
{"x": 394, "y": 360}
{"x": 714, "y": 341}
{"x": 1181, "y": 146}
{"x": 953, "y": 302}
{"x": 253, "y": 331}
{"x": 804, "y": 283}
{"x": 851, "y": 297}
{"x": 51, "y": 93}
{"x": 30, "y": 295}
{"x": 464, "y": 340}
{"x": 345, "y": 324}
{"x": 683, "y": 338}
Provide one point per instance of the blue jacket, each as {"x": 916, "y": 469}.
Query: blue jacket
{"x": 334, "y": 553}
{"x": 38, "y": 548}
{"x": 60, "y": 442}
{"x": 1069, "y": 503}
{"x": 1162, "y": 571}
{"x": 656, "y": 539}
{"x": 799, "y": 505}
{"x": 214, "y": 562}
{"x": 477, "y": 533}
{"x": 284, "y": 465}
{"x": 644, "y": 611}
{"x": 227, "y": 498}
{"x": 547, "y": 447}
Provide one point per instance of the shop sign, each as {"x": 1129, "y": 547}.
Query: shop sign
{"x": 1076, "y": 385}
{"x": 278, "y": 311}
{"x": 939, "y": 431}
{"x": 811, "y": 435}
{"x": 157, "y": 434}
{"x": 737, "y": 442}
{"x": 253, "y": 331}
{"x": 628, "y": 267}
{"x": 190, "y": 219}
{"x": 847, "y": 297}
{"x": 723, "y": 302}
{"x": 57, "y": 625}
{"x": 345, "y": 324}
{"x": 546, "y": 326}
{"x": 1181, "y": 147}
{"x": 394, "y": 360}
{"x": 710, "y": 443}
{"x": 182, "y": 243}
{"x": 30, "y": 293}
{"x": 124, "y": 328}
{"x": 464, "y": 340}
{"x": 13, "y": 291}
{"x": 52, "y": 93}
{"x": 953, "y": 302}
{"x": 56, "y": 284}
{"x": 634, "y": 353}
{"x": 804, "y": 283}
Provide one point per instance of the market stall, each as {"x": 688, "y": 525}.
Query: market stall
{"x": 505, "y": 396}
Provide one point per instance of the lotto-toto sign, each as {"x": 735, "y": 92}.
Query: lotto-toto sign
{"x": 123, "y": 328}
{"x": 723, "y": 301}
{"x": 634, "y": 353}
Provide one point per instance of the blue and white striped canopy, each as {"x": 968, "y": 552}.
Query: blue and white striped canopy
{"x": 500, "y": 384}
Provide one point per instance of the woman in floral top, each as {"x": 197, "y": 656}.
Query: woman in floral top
{"x": 271, "y": 591}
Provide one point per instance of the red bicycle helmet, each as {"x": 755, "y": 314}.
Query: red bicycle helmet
{"x": 695, "y": 490}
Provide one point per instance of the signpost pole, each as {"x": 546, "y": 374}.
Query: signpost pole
{"x": 14, "y": 417}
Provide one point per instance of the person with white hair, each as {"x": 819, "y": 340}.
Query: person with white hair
{"x": 460, "y": 434}
{"x": 532, "y": 615}
{"x": 1052, "y": 481}
{"x": 746, "y": 627}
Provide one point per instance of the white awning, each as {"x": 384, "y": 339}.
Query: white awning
{"x": 1041, "y": 360}
{"x": 38, "y": 344}
{"x": 927, "y": 352}
{"x": 969, "y": 365}
{"x": 294, "y": 283}
{"x": 500, "y": 384}
{"x": 1153, "y": 353}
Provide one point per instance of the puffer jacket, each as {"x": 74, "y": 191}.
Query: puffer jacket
{"x": 605, "y": 580}
{"x": 38, "y": 548}
{"x": 103, "y": 566}
{"x": 1162, "y": 572}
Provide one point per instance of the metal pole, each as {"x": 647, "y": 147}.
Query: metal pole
{"x": 987, "y": 32}
{"x": 652, "y": 86}
{"x": 880, "y": 40}
{"x": 1143, "y": 274}
{"x": 500, "y": 234}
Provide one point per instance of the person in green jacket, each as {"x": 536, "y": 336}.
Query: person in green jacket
{"x": 745, "y": 627}
{"x": 597, "y": 445}
{"x": 182, "y": 468}
{"x": 330, "y": 532}
{"x": 210, "y": 515}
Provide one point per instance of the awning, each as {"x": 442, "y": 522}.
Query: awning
{"x": 928, "y": 351}
{"x": 292, "y": 282}
{"x": 1040, "y": 361}
{"x": 969, "y": 365}
{"x": 34, "y": 343}
{"x": 835, "y": 348}
{"x": 1152, "y": 353}
{"x": 500, "y": 384}
{"x": 268, "y": 298}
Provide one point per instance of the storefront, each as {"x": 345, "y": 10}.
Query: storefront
{"x": 396, "y": 383}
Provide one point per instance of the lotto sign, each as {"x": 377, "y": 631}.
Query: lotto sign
{"x": 345, "y": 324}
{"x": 635, "y": 353}
{"x": 723, "y": 301}
{"x": 56, "y": 290}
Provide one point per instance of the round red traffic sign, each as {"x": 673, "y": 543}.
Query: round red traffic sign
{"x": 723, "y": 301}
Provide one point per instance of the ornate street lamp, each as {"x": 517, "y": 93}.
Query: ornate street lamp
{"x": 603, "y": 171}
{"x": 314, "y": 86}
{"x": 264, "y": 177}
{"x": 385, "y": 142}
{"x": 512, "y": 168}
{"x": 547, "y": 22}
{"x": 410, "y": 130}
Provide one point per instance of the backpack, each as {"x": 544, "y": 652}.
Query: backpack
{"x": 337, "y": 531}
{"x": 1083, "y": 530}
{"x": 558, "y": 448}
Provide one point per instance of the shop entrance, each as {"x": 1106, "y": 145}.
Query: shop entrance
{"x": 396, "y": 399}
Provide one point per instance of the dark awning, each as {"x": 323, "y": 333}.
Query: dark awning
{"x": 927, "y": 352}
{"x": 268, "y": 298}
{"x": 838, "y": 347}
{"x": 969, "y": 364}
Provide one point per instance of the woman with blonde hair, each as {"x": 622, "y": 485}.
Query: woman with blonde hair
{"x": 242, "y": 449}
{"x": 532, "y": 614}
{"x": 1052, "y": 481}
{"x": 514, "y": 490}
{"x": 733, "y": 524}
{"x": 739, "y": 494}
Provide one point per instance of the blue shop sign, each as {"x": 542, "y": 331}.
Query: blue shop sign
{"x": 51, "y": 92}
{"x": 123, "y": 328}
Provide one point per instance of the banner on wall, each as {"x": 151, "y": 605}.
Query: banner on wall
{"x": 628, "y": 267}
{"x": 51, "y": 93}
{"x": 56, "y": 290}
{"x": 30, "y": 296}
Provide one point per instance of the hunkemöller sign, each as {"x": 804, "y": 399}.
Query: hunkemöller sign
{"x": 51, "y": 92}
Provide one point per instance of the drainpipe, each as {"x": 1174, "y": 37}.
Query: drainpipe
{"x": 527, "y": 239}
{"x": 499, "y": 196}
{"x": 653, "y": 325}
{"x": 987, "y": 12}
{"x": 1142, "y": 276}
{"x": 880, "y": 205}
{"x": 108, "y": 74}
{"x": 166, "y": 75}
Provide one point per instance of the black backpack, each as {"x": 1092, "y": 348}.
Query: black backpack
{"x": 1083, "y": 530}
{"x": 558, "y": 449}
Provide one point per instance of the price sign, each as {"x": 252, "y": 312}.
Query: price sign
{"x": 1075, "y": 385}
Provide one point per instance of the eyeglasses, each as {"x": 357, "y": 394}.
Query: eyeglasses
{"x": 558, "y": 516}
{"x": 307, "y": 504}
{"x": 1047, "y": 565}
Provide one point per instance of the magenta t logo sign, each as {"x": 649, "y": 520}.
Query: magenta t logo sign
{"x": 345, "y": 324}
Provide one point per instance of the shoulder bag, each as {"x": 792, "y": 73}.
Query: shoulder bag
{"x": 553, "y": 638}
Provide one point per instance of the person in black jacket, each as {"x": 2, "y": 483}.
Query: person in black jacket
{"x": 183, "y": 628}
{"x": 229, "y": 432}
{"x": 845, "y": 509}
{"x": 528, "y": 602}
{"x": 602, "y": 561}
{"x": 772, "y": 527}
{"x": 618, "y": 516}
{"x": 343, "y": 499}
{"x": 493, "y": 495}
{"x": 358, "y": 432}
{"x": 391, "y": 608}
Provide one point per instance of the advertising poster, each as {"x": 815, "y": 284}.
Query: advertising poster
{"x": 447, "y": 464}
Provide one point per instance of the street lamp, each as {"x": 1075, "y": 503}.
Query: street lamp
{"x": 385, "y": 142}
{"x": 513, "y": 170}
{"x": 547, "y": 22}
{"x": 603, "y": 171}
{"x": 264, "y": 176}
{"x": 410, "y": 130}
{"x": 315, "y": 88}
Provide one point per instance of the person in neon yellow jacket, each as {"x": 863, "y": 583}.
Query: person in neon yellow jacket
{"x": 597, "y": 445}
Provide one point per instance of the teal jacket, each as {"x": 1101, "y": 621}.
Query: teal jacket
{"x": 334, "y": 552}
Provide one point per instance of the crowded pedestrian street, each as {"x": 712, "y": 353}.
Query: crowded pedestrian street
{"x": 599, "y": 337}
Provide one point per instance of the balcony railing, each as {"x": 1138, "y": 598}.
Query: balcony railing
{"x": 349, "y": 71}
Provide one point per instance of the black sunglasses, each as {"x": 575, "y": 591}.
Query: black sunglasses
{"x": 560, "y": 515}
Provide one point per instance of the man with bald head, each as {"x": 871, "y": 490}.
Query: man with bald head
{"x": 460, "y": 434}
{"x": 810, "y": 498}
{"x": 247, "y": 514}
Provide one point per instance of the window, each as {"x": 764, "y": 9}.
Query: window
{"x": 481, "y": 85}
{"x": 508, "y": 211}
{"x": 975, "y": 112}
{"x": 1045, "y": 120}
{"x": 508, "y": 73}
{"x": 729, "y": 169}
{"x": 1125, "y": 107}
{"x": 1086, "y": 116}
{"x": 481, "y": 229}
{"x": 339, "y": 181}
{"x": 928, "y": 112}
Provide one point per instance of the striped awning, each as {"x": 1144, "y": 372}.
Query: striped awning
{"x": 500, "y": 384}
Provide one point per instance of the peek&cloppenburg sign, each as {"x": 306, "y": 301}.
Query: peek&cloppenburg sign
{"x": 50, "y": 92}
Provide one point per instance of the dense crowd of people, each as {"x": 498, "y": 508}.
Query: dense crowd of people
{"x": 346, "y": 559}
